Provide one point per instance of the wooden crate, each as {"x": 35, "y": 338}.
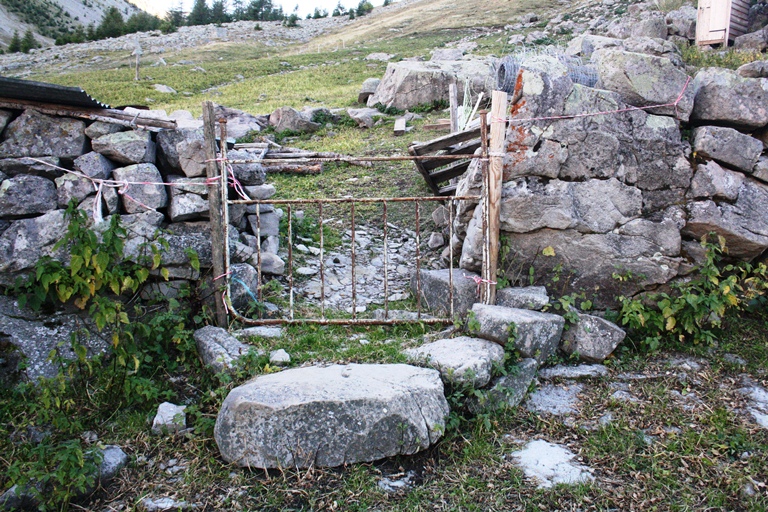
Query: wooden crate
{"x": 721, "y": 21}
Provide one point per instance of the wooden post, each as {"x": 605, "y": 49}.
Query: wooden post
{"x": 216, "y": 213}
{"x": 453, "y": 98}
{"x": 495, "y": 168}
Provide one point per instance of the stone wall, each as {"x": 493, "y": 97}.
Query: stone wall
{"x": 156, "y": 181}
{"x": 622, "y": 199}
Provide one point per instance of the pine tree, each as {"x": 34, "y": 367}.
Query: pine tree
{"x": 219, "y": 12}
{"x": 29, "y": 41}
{"x": 112, "y": 24}
{"x": 15, "y": 45}
{"x": 339, "y": 10}
{"x": 200, "y": 14}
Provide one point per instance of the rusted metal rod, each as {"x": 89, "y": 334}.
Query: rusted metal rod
{"x": 397, "y": 158}
{"x": 356, "y": 200}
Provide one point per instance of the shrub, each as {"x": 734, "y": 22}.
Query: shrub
{"x": 694, "y": 311}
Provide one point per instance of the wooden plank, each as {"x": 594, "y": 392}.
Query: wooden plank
{"x": 437, "y": 127}
{"x": 399, "y": 126}
{"x": 215, "y": 206}
{"x": 702, "y": 21}
{"x": 413, "y": 150}
{"x": 449, "y": 172}
{"x": 495, "y": 168}
{"x": 453, "y": 101}
{"x": 447, "y": 190}
{"x": 463, "y": 149}
{"x": 445, "y": 141}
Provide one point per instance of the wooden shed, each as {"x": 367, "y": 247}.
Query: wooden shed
{"x": 721, "y": 21}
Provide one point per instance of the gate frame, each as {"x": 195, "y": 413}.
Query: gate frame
{"x": 489, "y": 200}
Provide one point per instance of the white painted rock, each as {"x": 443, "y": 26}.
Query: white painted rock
{"x": 329, "y": 416}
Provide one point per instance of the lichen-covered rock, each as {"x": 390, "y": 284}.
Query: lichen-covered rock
{"x": 711, "y": 180}
{"x": 643, "y": 80}
{"x": 26, "y": 241}
{"x": 532, "y": 333}
{"x": 508, "y": 390}
{"x": 592, "y": 338}
{"x": 462, "y": 360}
{"x": 137, "y": 197}
{"x": 100, "y": 128}
{"x": 43, "y": 166}
{"x": 724, "y": 97}
{"x": 251, "y": 173}
{"x": 436, "y": 291}
{"x": 742, "y": 223}
{"x": 35, "y": 134}
{"x": 329, "y": 416}
{"x": 287, "y": 118}
{"x": 727, "y": 146}
{"x": 530, "y": 297}
{"x": 407, "y": 84}
{"x": 217, "y": 348}
{"x": 23, "y": 196}
{"x": 131, "y": 147}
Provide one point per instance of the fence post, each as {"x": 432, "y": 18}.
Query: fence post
{"x": 216, "y": 214}
{"x": 493, "y": 195}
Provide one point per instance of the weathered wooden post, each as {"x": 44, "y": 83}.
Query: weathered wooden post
{"x": 137, "y": 52}
{"x": 453, "y": 100}
{"x": 216, "y": 213}
{"x": 493, "y": 195}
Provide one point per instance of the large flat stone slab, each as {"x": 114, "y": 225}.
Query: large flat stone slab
{"x": 461, "y": 360}
{"x": 329, "y": 416}
{"x": 436, "y": 288}
{"x": 532, "y": 333}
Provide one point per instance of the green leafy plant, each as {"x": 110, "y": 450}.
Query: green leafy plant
{"x": 694, "y": 312}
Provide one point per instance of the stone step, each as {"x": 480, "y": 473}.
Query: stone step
{"x": 461, "y": 360}
{"x": 330, "y": 416}
{"x": 532, "y": 333}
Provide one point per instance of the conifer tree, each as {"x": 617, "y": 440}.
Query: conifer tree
{"x": 200, "y": 14}
{"x": 15, "y": 44}
{"x": 28, "y": 41}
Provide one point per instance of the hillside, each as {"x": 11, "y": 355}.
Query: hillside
{"x": 47, "y": 18}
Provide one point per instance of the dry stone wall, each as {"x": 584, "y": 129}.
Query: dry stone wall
{"x": 620, "y": 200}
{"x": 156, "y": 181}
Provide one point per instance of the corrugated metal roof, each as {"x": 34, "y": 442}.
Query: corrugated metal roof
{"x": 28, "y": 90}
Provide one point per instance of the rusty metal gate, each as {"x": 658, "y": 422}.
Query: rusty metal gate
{"x": 221, "y": 177}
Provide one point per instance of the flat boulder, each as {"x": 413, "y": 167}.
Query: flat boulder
{"x": 43, "y": 166}
{"x": 507, "y": 390}
{"x": 529, "y": 297}
{"x": 25, "y": 241}
{"x": 724, "y": 97}
{"x": 461, "y": 360}
{"x": 217, "y": 348}
{"x": 249, "y": 173}
{"x": 330, "y": 416}
{"x": 407, "y": 84}
{"x": 532, "y": 333}
{"x": 727, "y": 146}
{"x": 35, "y": 134}
{"x": 240, "y": 123}
{"x": 592, "y": 338}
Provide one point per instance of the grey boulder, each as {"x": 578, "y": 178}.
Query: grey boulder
{"x": 644, "y": 80}
{"x": 136, "y": 196}
{"x": 724, "y": 97}
{"x": 35, "y": 134}
{"x": 368, "y": 89}
{"x": 287, "y": 118}
{"x": 529, "y": 297}
{"x": 462, "y": 360}
{"x": 330, "y": 416}
{"x": 436, "y": 290}
{"x": 218, "y": 349}
{"x": 25, "y": 241}
{"x": 23, "y": 196}
{"x": 592, "y": 338}
{"x": 43, "y": 166}
{"x": 249, "y": 173}
{"x": 532, "y": 333}
{"x": 727, "y": 146}
{"x": 131, "y": 147}
{"x": 507, "y": 390}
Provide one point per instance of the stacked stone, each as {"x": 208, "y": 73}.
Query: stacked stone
{"x": 159, "y": 181}
{"x": 625, "y": 193}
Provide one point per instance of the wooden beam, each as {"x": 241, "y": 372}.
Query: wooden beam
{"x": 216, "y": 213}
{"x": 447, "y": 140}
{"x": 453, "y": 101}
{"x": 495, "y": 168}
{"x": 107, "y": 115}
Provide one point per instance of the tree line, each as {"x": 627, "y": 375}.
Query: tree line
{"x": 114, "y": 25}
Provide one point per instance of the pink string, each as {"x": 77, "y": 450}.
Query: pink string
{"x": 603, "y": 113}
{"x": 479, "y": 282}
